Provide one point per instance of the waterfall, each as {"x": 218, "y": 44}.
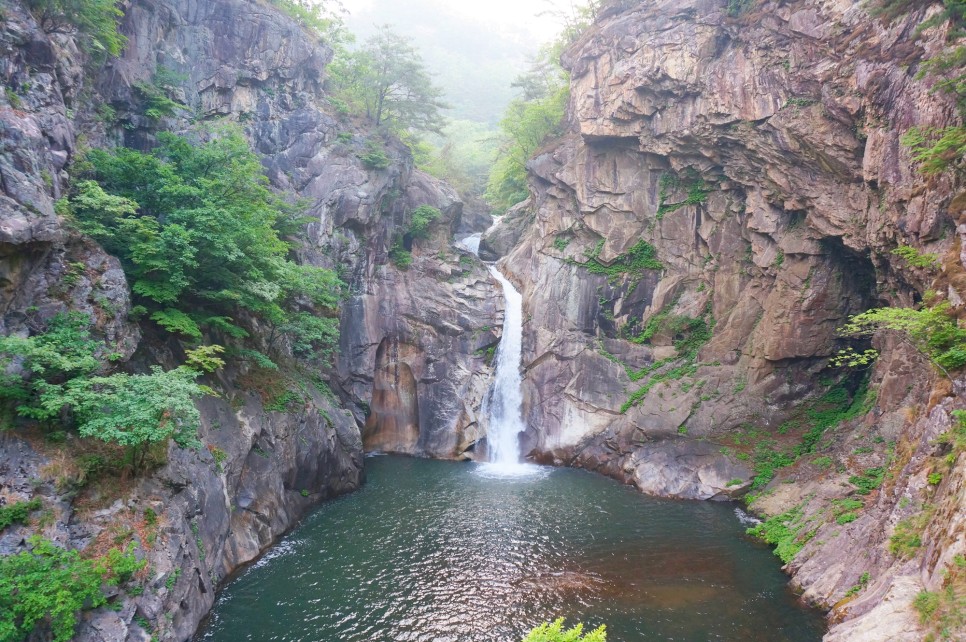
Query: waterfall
{"x": 503, "y": 407}
{"x": 505, "y": 421}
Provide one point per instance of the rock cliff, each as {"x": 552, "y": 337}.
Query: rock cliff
{"x": 731, "y": 189}
{"x": 276, "y": 443}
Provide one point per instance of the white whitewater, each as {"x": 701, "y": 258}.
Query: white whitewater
{"x": 503, "y": 407}
{"x": 505, "y": 421}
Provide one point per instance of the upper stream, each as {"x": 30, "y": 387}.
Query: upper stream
{"x": 442, "y": 552}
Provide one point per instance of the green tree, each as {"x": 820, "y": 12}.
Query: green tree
{"x": 933, "y": 332}
{"x": 93, "y": 22}
{"x": 554, "y": 632}
{"x": 387, "y": 81}
{"x": 58, "y": 384}
{"x": 529, "y": 122}
{"x": 47, "y": 586}
{"x": 199, "y": 234}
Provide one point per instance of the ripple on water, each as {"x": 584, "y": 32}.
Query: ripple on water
{"x": 434, "y": 551}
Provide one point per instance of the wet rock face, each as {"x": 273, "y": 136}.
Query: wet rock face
{"x": 758, "y": 158}
{"x": 222, "y": 506}
{"x": 417, "y": 341}
{"x": 769, "y": 183}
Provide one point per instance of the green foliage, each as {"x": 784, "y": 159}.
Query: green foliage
{"x": 692, "y": 183}
{"x": 926, "y": 604}
{"x": 766, "y": 461}
{"x": 17, "y": 513}
{"x": 156, "y": 95}
{"x": 375, "y": 156}
{"x": 862, "y": 583}
{"x": 131, "y": 410}
{"x": 828, "y": 411}
{"x": 387, "y": 81}
{"x": 846, "y": 518}
{"x": 932, "y": 331}
{"x": 947, "y": 71}
{"x": 561, "y": 242}
{"x": 738, "y": 7}
{"x": 48, "y": 586}
{"x": 200, "y": 237}
{"x": 869, "y": 480}
{"x": 400, "y": 256}
{"x": 943, "y": 612}
{"x": 422, "y": 217}
{"x": 554, "y": 632}
{"x": 324, "y": 20}
{"x": 93, "y": 22}
{"x": 462, "y": 155}
{"x": 907, "y": 536}
{"x": 937, "y": 149}
{"x": 783, "y": 532}
{"x": 915, "y": 258}
{"x": 954, "y": 11}
{"x": 634, "y": 263}
{"x": 528, "y": 123}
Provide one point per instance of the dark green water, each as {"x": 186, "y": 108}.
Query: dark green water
{"x": 436, "y": 551}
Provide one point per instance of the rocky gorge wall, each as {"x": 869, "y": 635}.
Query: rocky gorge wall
{"x": 275, "y": 443}
{"x": 730, "y": 191}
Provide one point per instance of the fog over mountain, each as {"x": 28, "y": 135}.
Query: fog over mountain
{"x": 475, "y": 50}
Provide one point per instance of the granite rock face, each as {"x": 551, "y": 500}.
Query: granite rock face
{"x": 730, "y": 191}
{"x": 219, "y": 507}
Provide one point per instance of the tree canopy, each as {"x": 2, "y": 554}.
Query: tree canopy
{"x": 386, "y": 80}
{"x": 200, "y": 236}
{"x": 529, "y": 122}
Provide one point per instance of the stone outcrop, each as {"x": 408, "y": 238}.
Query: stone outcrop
{"x": 201, "y": 514}
{"x": 730, "y": 190}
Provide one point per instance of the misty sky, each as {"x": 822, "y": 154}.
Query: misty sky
{"x": 473, "y": 48}
{"x": 501, "y": 15}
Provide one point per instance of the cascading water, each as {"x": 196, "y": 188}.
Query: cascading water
{"x": 505, "y": 422}
{"x": 503, "y": 407}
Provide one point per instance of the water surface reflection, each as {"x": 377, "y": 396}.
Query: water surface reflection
{"x": 442, "y": 552}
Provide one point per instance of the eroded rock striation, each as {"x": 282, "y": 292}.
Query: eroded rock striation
{"x": 729, "y": 193}
{"x": 204, "y": 513}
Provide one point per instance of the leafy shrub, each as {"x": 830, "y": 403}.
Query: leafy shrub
{"x": 915, "y": 258}
{"x": 634, "y": 263}
{"x": 934, "y": 332}
{"x": 692, "y": 183}
{"x": 869, "y": 480}
{"x": 130, "y": 410}
{"x": 527, "y": 124}
{"x": 400, "y": 256}
{"x": 554, "y": 632}
{"x": 18, "y": 512}
{"x": 423, "y": 216}
{"x": 846, "y": 518}
{"x": 375, "y": 156}
{"x": 937, "y": 149}
{"x": 783, "y": 531}
{"x": 48, "y": 586}
{"x": 155, "y": 95}
{"x": 857, "y": 588}
{"x": 93, "y": 21}
{"x": 907, "y": 536}
{"x": 200, "y": 237}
